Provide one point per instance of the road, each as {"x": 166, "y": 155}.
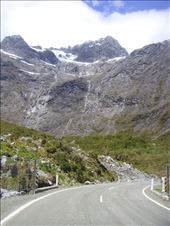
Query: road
{"x": 106, "y": 204}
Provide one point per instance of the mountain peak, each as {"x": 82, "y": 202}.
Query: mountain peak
{"x": 103, "y": 48}
{"x": 14, "y": 41}
{"x": 15, "y": 44}
{"x": 108, "y": 39}
{"x": 14, "y": 37}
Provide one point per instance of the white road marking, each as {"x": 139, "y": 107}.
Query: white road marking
{"x": 152, "y": 200}
{"x": 101, "y": 198}
{"x": 17, "y": 211}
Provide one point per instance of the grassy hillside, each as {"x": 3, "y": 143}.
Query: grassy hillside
{"x": 142, "y": 151}
{"x": 74, "y": 159}
{"x": 22, "y": 146}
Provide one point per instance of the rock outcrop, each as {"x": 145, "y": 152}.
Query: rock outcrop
{"x": 125, "y": 172}
{"x": 16, "y": 45}
{"x": 104, "y": 48}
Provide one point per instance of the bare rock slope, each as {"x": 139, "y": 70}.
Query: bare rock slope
{"x": 67, "y": 97}
{"x": 125, "y": 172}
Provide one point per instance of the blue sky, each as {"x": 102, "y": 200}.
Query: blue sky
{"x": 124, "y": 6}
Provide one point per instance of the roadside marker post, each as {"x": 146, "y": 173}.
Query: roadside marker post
{"x": 163, "y": 184}
{"x": 152, "y": 184}
{"x": 56, "y": 180}
{"x": 166, "y": 181}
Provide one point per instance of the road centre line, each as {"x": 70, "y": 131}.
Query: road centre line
{"x": 152, "y": 200}
{"x": 101, "y": 198}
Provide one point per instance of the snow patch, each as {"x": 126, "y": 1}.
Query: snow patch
{"x": 62, "y": 56}
{"x": 30, "y": 72}
{"x": 69, "y": 57}
{"x": 53, "y": 65}
{"x": 11, "y": 55}
{"x": 37, "y": 49}
{"x": 116, "y": 59}
{"x": 86, "y": 63}
{"x": 27, "y": 63}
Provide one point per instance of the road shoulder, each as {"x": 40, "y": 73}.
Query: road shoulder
{"x": 155, "y": 198}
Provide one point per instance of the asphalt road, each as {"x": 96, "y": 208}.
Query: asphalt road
{"x": 107, "y": 204}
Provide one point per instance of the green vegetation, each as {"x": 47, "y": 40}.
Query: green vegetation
{"x": 74, "y": 158}
{"x": 54, "y": 156}
{"x": 142, "y": 151}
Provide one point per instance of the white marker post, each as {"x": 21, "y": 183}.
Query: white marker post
{"x": 56, "y": 180}
{"x": 101, "y": 198}
{"x": 163, "y": 184}
{"x": 152, "y": 184}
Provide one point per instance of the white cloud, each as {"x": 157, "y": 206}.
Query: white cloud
{"x": 63, "y": 23}
{"x": 137, "y": 29}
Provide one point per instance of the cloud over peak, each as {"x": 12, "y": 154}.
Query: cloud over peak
{"x": 63, "y": 23}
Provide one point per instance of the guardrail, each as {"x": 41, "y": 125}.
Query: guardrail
{"x": 45, "y": 188}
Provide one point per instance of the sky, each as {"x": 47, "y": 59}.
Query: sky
{"x": 62, "y": 23}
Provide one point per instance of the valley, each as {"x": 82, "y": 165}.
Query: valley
{"x": 91, "y": 113}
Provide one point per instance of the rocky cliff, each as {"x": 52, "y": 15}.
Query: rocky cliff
{"x": 15, "y": 44}
{"x": 105, "y": 92}
{"x": 104, "y": 48}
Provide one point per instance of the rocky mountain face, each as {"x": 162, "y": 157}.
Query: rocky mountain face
{"x": 15, "y": 44}
{"x": 91, "y": 51}
{"x": 91, "y": 88}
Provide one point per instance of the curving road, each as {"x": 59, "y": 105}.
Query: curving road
{"x": 106, "y": 204}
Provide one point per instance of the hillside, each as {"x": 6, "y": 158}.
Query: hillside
{"x": 141, "y": 150}
{"x": 75, "y": 159}
{"x": 20, "y": 146}
{"x": 107, "y": 92}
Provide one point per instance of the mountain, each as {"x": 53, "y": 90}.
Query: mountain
{"x": 16, "y": 45}
{"x": 91, "y": 51}
{"x": 104, "y": 48}
{"x": 79, "y": 94}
